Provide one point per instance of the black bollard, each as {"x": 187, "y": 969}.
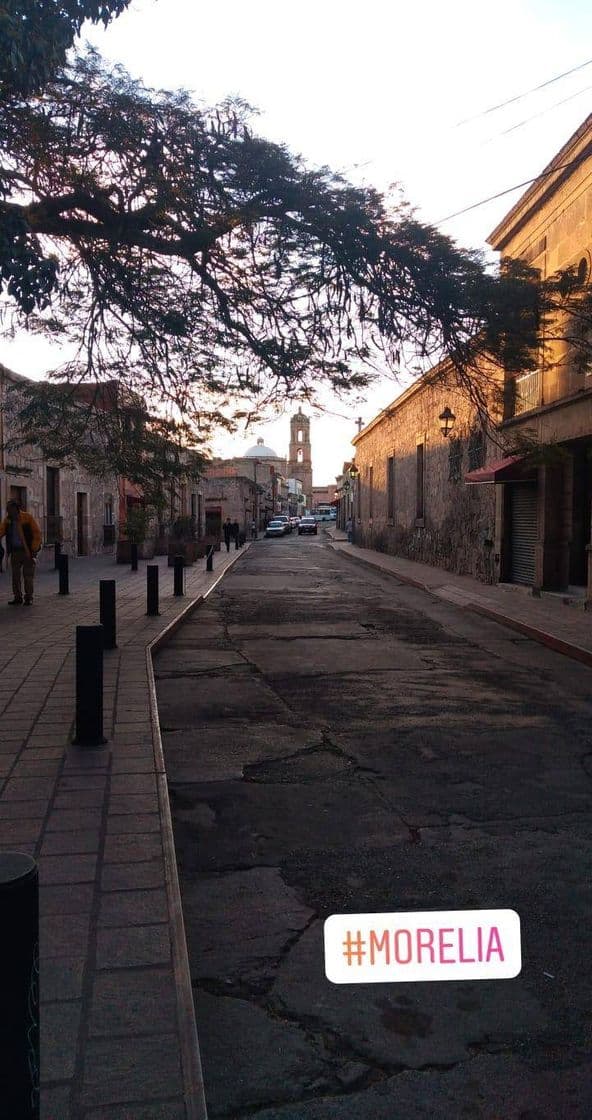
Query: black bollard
{"x": 64, "y": 578}
{"x": 210, "y": 559}
{"x": 107, "y": 615}
{"x": 134, "y": 556}
{"x": 89, "y": 687}
{"x": 152, "y": 589}
{"x": 236, "y": 542}
{"x": 179, "y": 576}
{"x": 57, "y": 552}
{"x": 19, "y": 980}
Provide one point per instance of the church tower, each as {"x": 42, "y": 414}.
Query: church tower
{"x": 300, "y": 455}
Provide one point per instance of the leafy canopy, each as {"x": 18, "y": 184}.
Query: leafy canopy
{"x": 173, "y": 249}
{"x": 36, "y": 34}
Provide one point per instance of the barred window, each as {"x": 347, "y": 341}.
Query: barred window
{"x": 455, "y": 458}
{"x": 476, "y": 449}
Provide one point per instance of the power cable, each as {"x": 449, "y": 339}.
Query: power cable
{"x": 534, "y": 116}
{"x": 520, "y": 96}
{"x": 517, "y": 187}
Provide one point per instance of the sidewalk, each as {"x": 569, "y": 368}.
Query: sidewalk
{"x": 118, "y": 1038}
{"x": 546, "y": 620}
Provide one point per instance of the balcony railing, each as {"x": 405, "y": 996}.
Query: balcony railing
{"x": 523, "y": 393}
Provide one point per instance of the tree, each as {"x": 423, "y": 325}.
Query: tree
{"x": 35, "y": 36}
{"x": 200, "y": 264}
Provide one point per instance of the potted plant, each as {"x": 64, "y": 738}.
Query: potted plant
{"x": 183, "y": 540}
{"x": 135, "y": 530}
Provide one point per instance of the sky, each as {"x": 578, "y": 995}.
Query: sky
{"x": 376, "y": 90}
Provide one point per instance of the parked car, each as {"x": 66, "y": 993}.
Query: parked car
{"x": 307, "y": 525}
{"x": 285, "y": 520}
{"x": 276, "y": 529}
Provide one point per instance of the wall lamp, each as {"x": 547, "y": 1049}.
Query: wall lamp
{"x": 447, "y": 419}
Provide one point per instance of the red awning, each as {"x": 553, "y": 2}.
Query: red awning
{"x": 502, "y": 470}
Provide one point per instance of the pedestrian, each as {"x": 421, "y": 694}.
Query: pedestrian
{"x": 235, "y": 532}
{"x": 23, "y": 541}
{"x": 253, "y": 530}
{"x": 227, "y": 530}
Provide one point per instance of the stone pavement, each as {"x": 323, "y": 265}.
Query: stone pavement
{"x": 548, "y": 619}
{"x": 118, "y": 1037}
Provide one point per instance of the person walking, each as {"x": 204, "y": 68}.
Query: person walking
{"x": 227, "y": 529}
{"x": 23, "y": 541}
{"x": 253, "y": 530}
{"x": 235, "y": 532}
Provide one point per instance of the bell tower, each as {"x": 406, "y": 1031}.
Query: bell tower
{"x": 300, "y": 454}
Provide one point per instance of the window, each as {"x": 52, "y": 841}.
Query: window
{"x": 300, "y": 435}
{"x": 300, "y": 455}
{"x": 476, "y": 449}
{"x": 419, "y": 482}
{"x": 455, "y": 458}
{"x": 390, "y": 488}
{"x": 108, "y": 510}
{"x": 370, "y": 477}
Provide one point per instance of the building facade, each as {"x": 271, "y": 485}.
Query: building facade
{"x": 73, "y": 507}
{"x": 410, "y": 498}
{"x": 468, "y": 501}
{"x": 545, "y": 517}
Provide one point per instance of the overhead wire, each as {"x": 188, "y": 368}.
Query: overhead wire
{"x": 521, "y": 96}
{"x": 517, "y": 187}
{"x": 534, "y": 116}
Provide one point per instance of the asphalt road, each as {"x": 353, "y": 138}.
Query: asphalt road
{"x": 337, "y": 742}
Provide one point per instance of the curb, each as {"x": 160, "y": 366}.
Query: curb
{"x": 193, "y": 1093}
{"x": 558, "y": 645}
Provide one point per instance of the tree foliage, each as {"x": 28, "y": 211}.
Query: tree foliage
{"x": 173, "y": 249}
{"x": 35, "y": 36}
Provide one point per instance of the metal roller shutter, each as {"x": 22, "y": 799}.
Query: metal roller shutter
{"x": 524, "y": 531}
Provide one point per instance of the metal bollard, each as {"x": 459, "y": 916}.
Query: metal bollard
{"x": 57, "y": 552}
{"x": 19, "y": 980}
{"x": 89, "y": 687}
{"x": 179, "y": 576}
{"x": 210, "y": 559}
{"x": 134, "y": 556}
{"x": 64, "y": 577}
{"x": 107, "y": 613}
{"x": 152, "y": 589}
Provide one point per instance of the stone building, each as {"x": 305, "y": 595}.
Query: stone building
{"x": 299, "y": 464}
{"x": 226, "y": 493}
{"x": 71, "y": 506}
{"x": 410, "y": 498}
{"x": 464, "y": 502}
{"x": 544, "y": 517}
{"x": 282, "y": 485}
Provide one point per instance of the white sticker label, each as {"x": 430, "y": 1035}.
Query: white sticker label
{"x": 433, "y": 945}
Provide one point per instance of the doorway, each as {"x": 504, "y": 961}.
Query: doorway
{"x": 18, "y": 494}
{"x": 214, "y": 522}
{"x": 81, "y": 522}
{"x": 580, "y": 524}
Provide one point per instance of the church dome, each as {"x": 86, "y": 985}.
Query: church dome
{"x": 260, "y": 451}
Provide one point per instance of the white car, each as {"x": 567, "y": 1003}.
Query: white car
{"x": 276, "y": 529}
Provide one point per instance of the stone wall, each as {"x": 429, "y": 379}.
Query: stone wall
{"x": 233, "y": 496}
{"x": 457, "y": 529}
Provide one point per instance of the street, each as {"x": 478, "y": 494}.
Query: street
{"x": 338, "y": 742}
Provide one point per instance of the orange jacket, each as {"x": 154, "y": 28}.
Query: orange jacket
{"x": 29, "y": 531}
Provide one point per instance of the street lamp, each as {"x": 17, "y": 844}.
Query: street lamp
{"x": 447, "y": 419}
